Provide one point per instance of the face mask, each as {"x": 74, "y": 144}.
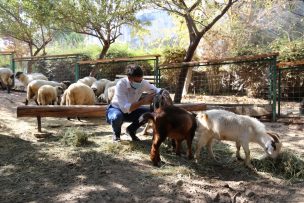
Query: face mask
{"x": 135, "y": 85}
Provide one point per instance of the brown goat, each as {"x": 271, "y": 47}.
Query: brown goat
{"x": 160, "y": 100}
{"x": 173, "y": 122}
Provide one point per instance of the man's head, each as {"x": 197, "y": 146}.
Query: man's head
{"x": 135, "y": 75}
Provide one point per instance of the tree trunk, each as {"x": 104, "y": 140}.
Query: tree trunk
{"x": 104, "y": 50}
{"x": 102, "y": 55}
{"x": 182, "y": 76}
{"x": 29, "y": 63}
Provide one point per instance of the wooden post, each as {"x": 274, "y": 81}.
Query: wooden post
{"x": 39, "y": 123}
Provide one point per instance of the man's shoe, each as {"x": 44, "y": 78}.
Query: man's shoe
{"x": 115, "y": 139}
{"x": 132, "y": 134}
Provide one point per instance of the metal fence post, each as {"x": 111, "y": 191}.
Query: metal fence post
{"x": 279, "y": 91}
{"x": 274, "y": 87}
{"x": 156, "y": 71}
{"x": 76, "y": 72}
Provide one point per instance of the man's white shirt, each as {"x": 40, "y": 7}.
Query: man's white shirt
{"x": 125, "y": 95}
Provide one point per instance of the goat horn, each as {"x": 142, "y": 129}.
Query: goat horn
{"x": 274, "y": 136}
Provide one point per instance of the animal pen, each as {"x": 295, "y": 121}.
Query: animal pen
{"x": 6, "y": 58}
{"x": 55, "y": 67}
{"x": 111, "y": 68}
{"x": 252, "y": 85}
{"x": 244, "y": 85}
{"x": 291, "y": 89}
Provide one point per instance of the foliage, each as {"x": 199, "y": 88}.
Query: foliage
{"x": 101, "y": 19}
{"x": 91, "y": 51}
{"x": 200, "y": 17}
{"x": 169, "y": 77}
{"x": 173, "y": 55}
{"x": 27, "y": 21}
{"x": 68, "y": 39}
{"x": 255, "y": 27}
{"x": 289, "y": 50}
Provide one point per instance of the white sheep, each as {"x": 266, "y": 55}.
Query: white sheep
{"x": 6, "y": 78}
{"x": 108, "y": 92}
{"x": 27, "y": 78}
{"x": 225, "y": 125}
{"x": 18, "y": 85}
{"x": 33, "y": 87}
{"x": 87, "y": 80}
{"x": 49, "y": 95}
{"x": 99, "y": 86}
{"x": 78, "y": 94}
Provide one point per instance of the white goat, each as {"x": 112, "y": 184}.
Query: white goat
{"x": 225, "y": 125}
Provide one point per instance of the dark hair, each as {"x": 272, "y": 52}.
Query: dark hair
{"x": 134, "y": 70}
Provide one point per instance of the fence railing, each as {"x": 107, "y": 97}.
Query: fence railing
{"x": 231, "y": 81}
{"x": 248, "y": 81}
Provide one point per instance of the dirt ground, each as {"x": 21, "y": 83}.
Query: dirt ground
{"x": 46, "y": 170}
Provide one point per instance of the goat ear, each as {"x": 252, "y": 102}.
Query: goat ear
{"x": 205, "y": 116}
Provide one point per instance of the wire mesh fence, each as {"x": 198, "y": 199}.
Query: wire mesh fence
{"x": 6, "y": 59}
{"x": 291, "y": 89}
{"x": 242, "y": 84}
{"x": 55, "y": 67}
{"x": 110, "y": 68}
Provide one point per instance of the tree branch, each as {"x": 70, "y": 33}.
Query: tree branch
{"x": 229, "y": 4}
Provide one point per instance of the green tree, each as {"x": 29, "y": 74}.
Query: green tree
{"x": 200, "y": 16}
{"x": 27, "y": 21}
{"x": 102, "y": 19}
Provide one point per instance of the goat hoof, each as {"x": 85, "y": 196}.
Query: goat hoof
{"x": 251, "y": 167}
{"x": 190, "y": 157}
{"x": 239, "y": 158}
{"x": 156, "y": 164}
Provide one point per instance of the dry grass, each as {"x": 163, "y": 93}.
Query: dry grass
{"x": 74, "y": 137}
{"x": 287, "y": 166}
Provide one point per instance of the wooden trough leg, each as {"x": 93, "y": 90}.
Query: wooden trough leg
{"x": 39, "y": 123}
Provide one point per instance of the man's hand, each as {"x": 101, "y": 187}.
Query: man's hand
{"x": 148, "y": 99}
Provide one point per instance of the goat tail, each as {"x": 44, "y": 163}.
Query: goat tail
{"x": 146, "y": 117}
